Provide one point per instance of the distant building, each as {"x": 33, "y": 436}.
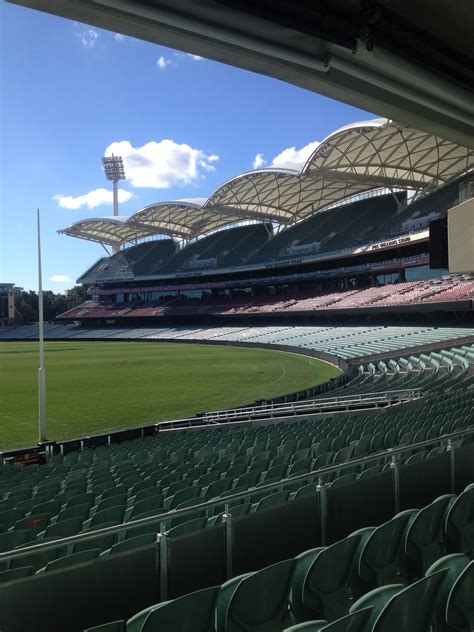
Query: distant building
{"x": 7, "y": 304}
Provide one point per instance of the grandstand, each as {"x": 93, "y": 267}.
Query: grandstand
{"x": 349, "y": 234}
{"x": 345, "y": 506}
{"x": 214, "y": 497}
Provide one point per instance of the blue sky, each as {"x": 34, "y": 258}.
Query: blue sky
{"x": 70, "y": 91}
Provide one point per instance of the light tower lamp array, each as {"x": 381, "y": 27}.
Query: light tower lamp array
{"x": 114, "y": 171}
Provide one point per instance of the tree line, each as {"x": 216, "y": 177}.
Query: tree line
{"x": 26, "y": 304}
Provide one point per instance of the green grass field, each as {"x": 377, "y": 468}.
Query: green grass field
{"x": 97, "y": 386}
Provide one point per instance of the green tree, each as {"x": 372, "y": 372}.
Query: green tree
{"x": 26, "y": 304}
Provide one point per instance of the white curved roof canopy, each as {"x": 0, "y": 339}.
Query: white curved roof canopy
{"x": 390, "y": 153}
{"x": 281, "y": 195}
{"x": 354, "y": 159}
{"x": 106, "y": 230}
{"x": 184, "y": 219}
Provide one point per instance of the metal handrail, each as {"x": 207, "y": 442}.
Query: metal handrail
{"x": 306, "y": 405}
{"x": 226, "y": 500}
{"x": 323, "y": 401}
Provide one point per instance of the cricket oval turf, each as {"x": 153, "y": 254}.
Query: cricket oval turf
{"x": 93, "y": 387}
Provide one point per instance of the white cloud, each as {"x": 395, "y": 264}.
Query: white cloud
{"x": 162, "y": 62}
{"x": 292, "y": 158}
{"x": 195, "y": 57}
{"x": 160, "y": 165}
{"x": 94, "y": 198}
{"x": 88, "y": 38}
{"x": 118, "y": 37}
{"x": 60, "y": 278}
{"x": 259, "y": 161}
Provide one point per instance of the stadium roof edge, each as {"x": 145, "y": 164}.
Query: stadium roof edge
{"x": 352, "y": 160}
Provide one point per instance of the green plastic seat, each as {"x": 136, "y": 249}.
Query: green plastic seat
{"x": 207, "y": 479}
{"x": 76, "y": 511}
{"x": 272, "y": 500}
{"x": 307, "y": 489}
{"x": 229, "y": 494}
{"x": 10, "y": 516}
{"x": 382, "y": 559}
{"x": 113, "y": 514}
{"x": 81, "y": 499}
{"x": 412, "y": 608}
{"x": 70, "y": 560}
{"x": 116, "y": 490}
{"x": 154, "y": 503}
{"x": 302, "y": 564}
{"x": 192, "y": 613}
{"x": 415, "y": 458}
{"x": 63, "y": 497}
{"x": 454, "y": 565}
{"x": 48, "y": 488}
{"x": 171, "y": 502}
{"x": 12, "y": 539}
{"x": 38, "y": 559}
{"x": 460, "y": 607}
{"x": 425, "y": 535}
{"x": 111, "y": 502}
{"x": 177, "y": 486}
{"x": 52, "y": 507}
{"x": 150, "y": 492}
{"x": 370, "y": 471}
{"x": 149, "y": 528}
{"x": 275, "y": 471}
{"x": 142, "y": 485}
{"x": 300, "y": 466}
{"x": 219, "y": 466}
{"x": 235, "y": 471}
{"x": 258, "y": 495}
{"x": 330, "y": 580}
{"x": 301, "y": 453}
{"x": 100, "y": 542}
{"x": 130, "y": 480}
{"x": 217, "y": 488}
{"x": 26, "y": 505}
{"x": 249, "y": 479}
{"x": 136, "y": 542}
{"x": 187, "y": 527}
{"x": 344, "y": 480}
{"x": 322, "y": 460}
{"x": 259, "y": 465}
{"x": 77, "y": 487}
{"x": 281, "y": 459}
{"x": 353, "y": 622}
{"x": 174, "y": 522}
{"x": 62, "y": 529}
{"x": 15, "y": 573}
{"x": 240, "y": 510}
{"x": 308, "y": 626}
{"x": 256, "y": 602}
{"x": 114, "y": 626}
{"x": 33, "y": 523}
{"x": 460, "y": 522}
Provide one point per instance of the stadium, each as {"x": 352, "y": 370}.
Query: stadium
{"x": 286, "y": 442}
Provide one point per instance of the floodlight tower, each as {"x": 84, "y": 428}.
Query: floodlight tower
{"x": 114, "y": 171}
